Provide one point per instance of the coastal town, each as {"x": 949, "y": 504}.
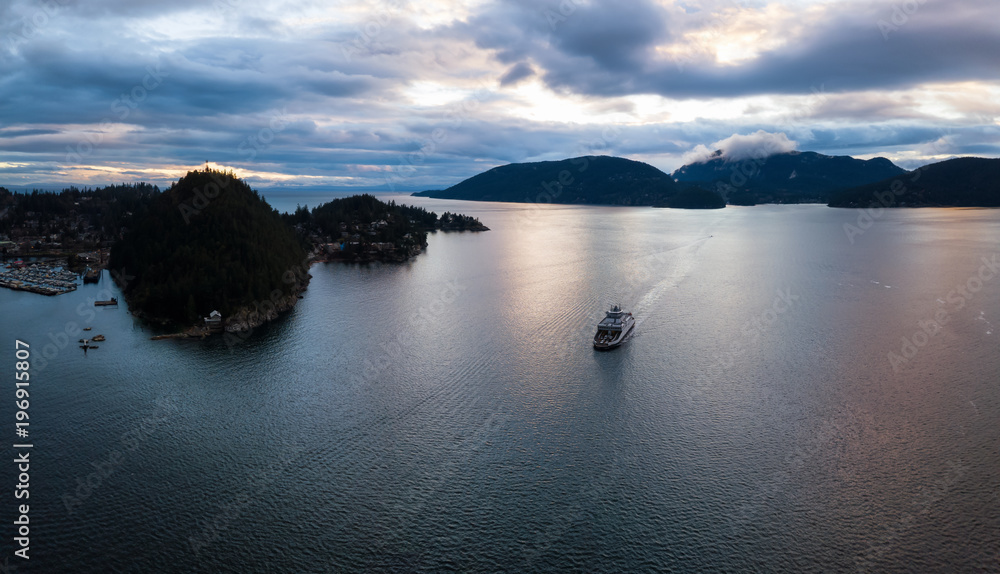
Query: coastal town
{"x": 49, "y": 242}
{"x": 71, "y": 222}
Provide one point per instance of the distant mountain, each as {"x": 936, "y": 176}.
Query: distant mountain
{"x": 589, "y": 179}
{"x": 793, "y": 177}
{"x": 960, "y": 182}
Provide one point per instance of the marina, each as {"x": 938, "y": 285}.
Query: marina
{"x": 41, "y": 278}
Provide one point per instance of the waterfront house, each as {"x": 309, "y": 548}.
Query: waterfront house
{"x": 214, "y": 322}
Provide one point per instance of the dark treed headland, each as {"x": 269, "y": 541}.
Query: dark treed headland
{"x": 212, "y": 243}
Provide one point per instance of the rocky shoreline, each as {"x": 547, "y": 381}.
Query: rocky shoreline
{"x": 245, "y": 319}
{"x": 248, "y": 318}
{"x": 192, "y": 333}
{"x": 393, "y": 256}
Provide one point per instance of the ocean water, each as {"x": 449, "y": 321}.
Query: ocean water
{"x": 450, "y": 414}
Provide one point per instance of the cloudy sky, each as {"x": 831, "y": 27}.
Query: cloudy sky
{"x": 416, "y": 95}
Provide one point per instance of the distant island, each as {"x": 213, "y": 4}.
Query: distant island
{"x": 789, "y": 177}
{"x": 363, "y": 228}
{"x": 582, "y": 180}
{"x": 792, "y": 177}
{"x": 959, "y": 182}
{"x": 211, "y": 243}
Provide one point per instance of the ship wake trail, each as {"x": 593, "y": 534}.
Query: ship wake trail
{"x": 668, "y": 269}
{"x": 665, "y": 270}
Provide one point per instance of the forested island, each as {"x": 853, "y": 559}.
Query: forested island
{"x": 363, "y": 228}
{"x": 790, "y": 177}
{"x": 959, "y": 182}
{"x": 582, "y": 180}
{"x": 718, "y": 180}
{"x": 211, "y": 243}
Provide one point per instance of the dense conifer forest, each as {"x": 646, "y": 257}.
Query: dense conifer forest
{"x": 959, "y": 182}
{"x": 210, "y": 242}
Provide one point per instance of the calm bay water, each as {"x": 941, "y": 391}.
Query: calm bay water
{"x": 449, "y": 413}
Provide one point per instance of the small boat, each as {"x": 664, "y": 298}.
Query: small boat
{"x": 87, "y": 328}
{"x": 614, "y": 329}
{"x": 98, "y": 338}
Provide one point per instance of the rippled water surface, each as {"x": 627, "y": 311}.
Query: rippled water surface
{"x": 450, "y": 413}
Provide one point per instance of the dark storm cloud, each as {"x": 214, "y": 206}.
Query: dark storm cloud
{"x": 567, "y": 37}
{"x": 60, "y": 84}
{"x": 940, "y": 44}
{"x": 72, "y": 71}
{"x": 516, "y": 73}
{"x": 607, "y": 49}
{"x": 614, "y": 35}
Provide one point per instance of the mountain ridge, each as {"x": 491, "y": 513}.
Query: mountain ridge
{"x": 786, "y": 177}
{"x": 604, "y": 180}
{"x": 956, "y": 182}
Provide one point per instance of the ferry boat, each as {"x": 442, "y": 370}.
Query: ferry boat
{"x": 614, "y": 329}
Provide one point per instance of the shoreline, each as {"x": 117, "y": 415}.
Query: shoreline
{"x": 243, "y": 320}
